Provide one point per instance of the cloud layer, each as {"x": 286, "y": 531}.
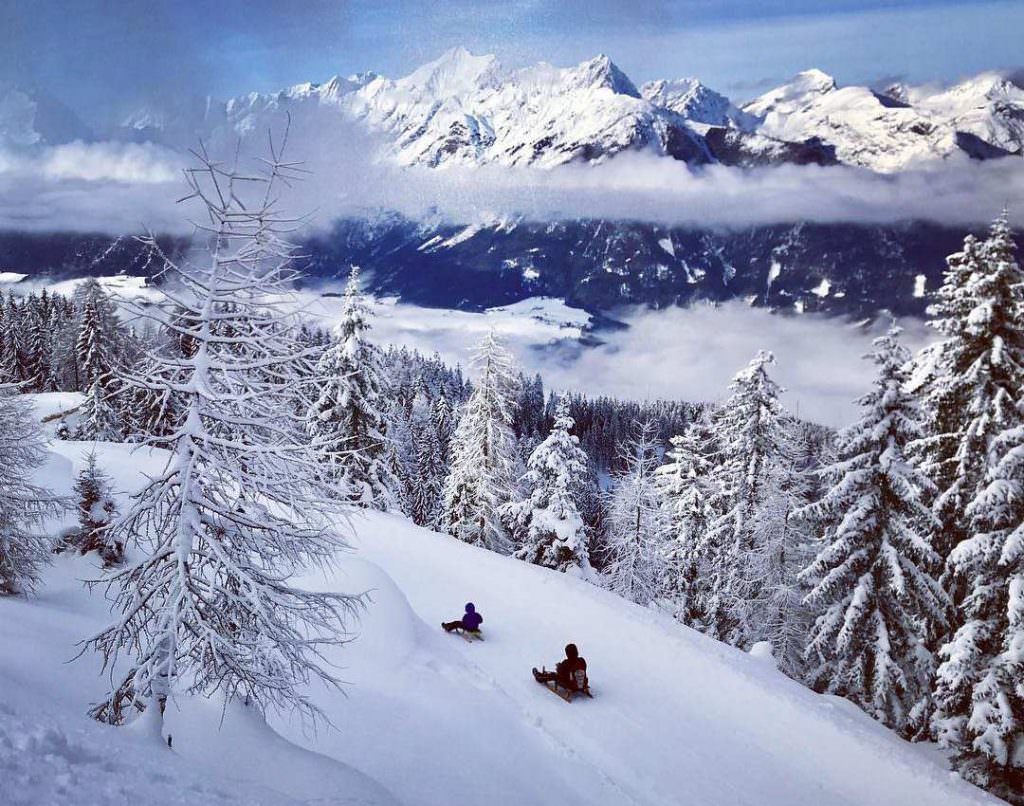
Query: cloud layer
{"x": 125, "y": 187}
{"x": 680, "y": 354}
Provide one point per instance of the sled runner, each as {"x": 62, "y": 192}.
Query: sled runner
{"x": 468, "y": 636}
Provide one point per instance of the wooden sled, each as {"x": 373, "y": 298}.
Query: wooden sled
{"x": 566, "y": 693}
{"x": 466, "y": 635}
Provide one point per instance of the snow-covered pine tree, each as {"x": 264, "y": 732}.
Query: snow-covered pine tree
{"x": 687, "y": 496}
{"x": 873, "y": 581}
{"x": 98, "y": 414}
{"x": 971, "y": 380}
{"x": 635, "y": 525}
{"x": 234, "y": 514}
{"x": 348, "y": 422}
{"x": 979, "y": 693}
{"x": 547, "y": 525}
{"x": 40, "y": 377}
{"x": 23, "y": 505}
{"x": 444, "y": 425}
{"x": 96, "y": 509}
{"x": 400, "y": 457}
{"x": 61, "y": 335}
{"x": 11, "y": 368}
{"x": 483, "y": 453}
{"x": 430, "y": 470}
{"x": 751, "y": 532}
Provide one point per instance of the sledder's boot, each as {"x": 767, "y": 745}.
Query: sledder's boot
{"x": 536, "y": 675}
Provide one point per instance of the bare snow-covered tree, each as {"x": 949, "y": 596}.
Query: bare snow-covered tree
{"x": 23, "y": 505}
{"x": 873, "y": 581}
{"x": 233, "y": 515}
{"x": 348, "y": 421}
{"x": 636, "y": 522}
{"x": 482, "y": 477}
{"x": 547, "y": 524}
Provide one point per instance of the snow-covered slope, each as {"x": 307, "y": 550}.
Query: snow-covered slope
{"x": 676, "y": 718}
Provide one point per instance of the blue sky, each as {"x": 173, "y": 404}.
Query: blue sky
{"x": 100, "y": 56}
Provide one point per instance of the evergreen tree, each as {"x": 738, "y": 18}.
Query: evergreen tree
{"x": 96, "y": 510}
{"x": 751, "y": 533}
{"x": 11, "y": 367}
{"x": 348, "y": 422}
{"x": 444, "y": 427}
{"x": 401, "y": 457}
{"x": 210, "y": 605}
{"x": 873, "y": 583}
{"x": 971, "y": 379}
{"x": 635, "y": 523}
{"x": 979, "y": 692}
{"x": 483, "y": 454}
{"x": 430, "y": 470}
{"x": 39, "y": 375}
{"x": 98, "y": 415}
{"x": 548, "y": 526}
{"x": 23, "y": 505}
{"x": 691, "y": 560}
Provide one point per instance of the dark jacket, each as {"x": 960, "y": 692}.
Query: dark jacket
{"x": 471, "y": 620}
{"x": 566, "y": 670}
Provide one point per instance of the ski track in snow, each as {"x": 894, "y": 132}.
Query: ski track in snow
{"x": 676, "y": 717}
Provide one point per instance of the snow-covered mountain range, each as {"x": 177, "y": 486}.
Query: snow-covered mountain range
{"x": 463, "y": 109}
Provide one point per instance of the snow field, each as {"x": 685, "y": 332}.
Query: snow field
{"x": 426, "y": 718}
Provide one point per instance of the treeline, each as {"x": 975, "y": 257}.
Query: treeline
{"x": 49, "y": 341}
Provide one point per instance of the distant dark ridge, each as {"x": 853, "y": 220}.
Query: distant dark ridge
{"x": 843, "y": 269}
{"x": 67, "y": 255}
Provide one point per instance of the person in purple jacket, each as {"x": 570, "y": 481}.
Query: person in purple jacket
{"x": 470, "y": 621}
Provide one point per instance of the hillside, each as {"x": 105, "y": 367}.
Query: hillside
{"x": 427, "y": 718}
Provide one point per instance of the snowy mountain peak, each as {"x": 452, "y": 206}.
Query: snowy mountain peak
{"x": 337, "y": 86}
{"x": 804, "y": 88}
{"x": 814, "y": 80}
{"x": 692, "y": 100}
{"x": 601, "y": 72}
{"x": 455, "y": 72}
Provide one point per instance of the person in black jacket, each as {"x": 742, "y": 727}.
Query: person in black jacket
{"x": 570, "y": 674}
